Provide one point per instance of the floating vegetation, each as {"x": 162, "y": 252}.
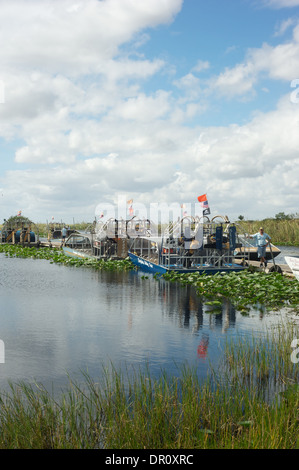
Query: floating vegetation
{"x": 245, "y": 289}
{"x": 56, "y": 255}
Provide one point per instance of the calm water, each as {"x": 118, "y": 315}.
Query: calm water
{"x": 56, "y": 320}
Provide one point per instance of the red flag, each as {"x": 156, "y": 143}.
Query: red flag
{"x": 202, "y": 198}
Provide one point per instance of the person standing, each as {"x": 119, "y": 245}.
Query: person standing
{"x": 262, "y": 240}
{"x": 63, "y": 234}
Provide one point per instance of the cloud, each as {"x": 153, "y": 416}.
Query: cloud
{"x": 281, "y": 3}
{"x": 284, "y": 26}
{"x": 255, "y": 164}
{"x": 88, "y": 127}
{"x": 279, "y": 62}
{"x": 58, "y": 35}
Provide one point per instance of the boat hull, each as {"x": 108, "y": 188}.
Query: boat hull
{"x": 293, "y": 263}
{"x": 149, "y": 266}
{"x": 76, "y": 253}
{"x": 251, "y": 253}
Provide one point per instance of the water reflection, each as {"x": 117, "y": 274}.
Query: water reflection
{"x": 55, "y": 319}
{"x": 184, "y": 306}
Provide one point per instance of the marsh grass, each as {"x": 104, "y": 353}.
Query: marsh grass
{"x": 250, "y": 402}
{"x": 282, "y": 232}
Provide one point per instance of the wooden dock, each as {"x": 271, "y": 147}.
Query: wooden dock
{"x": 286, "y": 270}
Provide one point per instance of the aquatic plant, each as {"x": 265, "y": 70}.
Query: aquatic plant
{"x": 243, "y": 289}
{"x": 56, "y": 255}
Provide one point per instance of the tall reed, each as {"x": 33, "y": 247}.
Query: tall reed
{"x": 282, "y": 232}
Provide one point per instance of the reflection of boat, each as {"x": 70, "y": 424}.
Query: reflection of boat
{"x": 188, "y": 246}
{"x": 293, "y": 263}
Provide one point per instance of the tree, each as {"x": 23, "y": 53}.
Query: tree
{"x": 282, "y": 216}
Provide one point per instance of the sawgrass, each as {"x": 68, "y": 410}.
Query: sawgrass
{"x": 234, "y": 408}
{"x": 282, "y": 232}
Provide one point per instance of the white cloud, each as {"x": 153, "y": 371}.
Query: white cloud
{"x": 201, "y": 65}
{"x": 284, "y": 26}
{"x": 281, "y": 3}
{"x": 279, "y": 62}
{"x": 74, "y": 38}
{"x": 90, "y": 130}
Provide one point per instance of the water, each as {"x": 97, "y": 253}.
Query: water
{"x": 286, "y": 251}
{"x": 57, "y": 320}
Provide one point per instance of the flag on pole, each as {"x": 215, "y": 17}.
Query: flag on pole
{"x": 130, "y": 201}
{"x": 131, "y": 211}
{"x": 202, "y": 198}
{"x": 19, "y": 213}
{"x": 184, "y": 211}
{"x": 204, "y": 204}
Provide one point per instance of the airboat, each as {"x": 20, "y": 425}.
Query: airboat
{"x": 191, "y": 244}
{"x": 108, "y": 240}
{"x": 293, "y": 263}
{"x": 20, "y": 230}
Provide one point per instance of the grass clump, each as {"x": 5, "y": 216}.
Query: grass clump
{"x": 251, "y": 402}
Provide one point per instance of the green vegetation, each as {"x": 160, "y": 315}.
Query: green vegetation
{"x": 251, "y": 402}
{"x": 284, "y": 230}
{"x": 244, "y": 289}
{"x": 56, "y": 255}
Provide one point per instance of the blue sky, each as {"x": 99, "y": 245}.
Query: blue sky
{"x": 155, "y": 101}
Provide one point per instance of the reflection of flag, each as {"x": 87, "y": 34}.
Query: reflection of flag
{"x": 19, "y": 213}
{"x": 131, "y": 211}
{"x": 102, "y": 215}
{"x": 202, "y": 348}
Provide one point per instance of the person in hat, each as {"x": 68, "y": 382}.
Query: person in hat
{"x": 262, "y": 240}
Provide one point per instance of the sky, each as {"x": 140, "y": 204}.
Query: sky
{"x": 158, "y": 101}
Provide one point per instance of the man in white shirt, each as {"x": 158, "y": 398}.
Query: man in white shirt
{"x": 263, "y": 240}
